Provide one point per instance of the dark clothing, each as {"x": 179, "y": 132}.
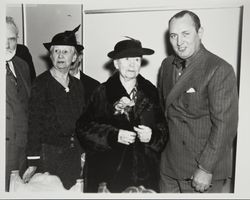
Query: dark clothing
{"x": 17, "y": 96}
{"x": 109, "y": 161}
{"x": 52, "y": 116}
{"x": 89, "y": 85}
{"x": 23, "y": 52}
{"x": 201, "y": 109}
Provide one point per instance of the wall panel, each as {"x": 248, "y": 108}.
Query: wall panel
{"x": 102, "y": 31}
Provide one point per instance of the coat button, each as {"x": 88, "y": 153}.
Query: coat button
{"x": 183, "y": 142}
{"x": 186, "y": 105}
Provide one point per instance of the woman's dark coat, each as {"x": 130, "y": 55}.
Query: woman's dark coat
{"x": 117, "y": 164}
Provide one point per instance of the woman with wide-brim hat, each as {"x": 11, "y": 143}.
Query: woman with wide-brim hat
{"x": 56, "y": 103}
{"x": 123, "y": 129}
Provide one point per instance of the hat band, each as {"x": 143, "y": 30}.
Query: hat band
{"x": 132, "y": 52}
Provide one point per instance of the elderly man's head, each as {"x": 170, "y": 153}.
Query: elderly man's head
{"x": 11, "y": 38}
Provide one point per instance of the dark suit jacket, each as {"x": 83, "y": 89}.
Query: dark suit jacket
{"x": 16, "y": 118}
{"x": 89, "y": 85}
{"x": 12, "y": 117}
{"x": 23, "y": 52}
{"x": 203, "y": 122}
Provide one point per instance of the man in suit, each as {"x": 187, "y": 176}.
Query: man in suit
{"x": 89, "y": 84}
{"x": 198, "y": 92}
{"x": 17, "y": 95}
{"x": 23, "y": 52}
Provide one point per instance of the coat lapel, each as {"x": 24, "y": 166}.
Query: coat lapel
{"x": 19, "y": 70}
{"x": 188, "y": 78}
{"x": 184, "y": 82}
{"x": 115, "y": 91}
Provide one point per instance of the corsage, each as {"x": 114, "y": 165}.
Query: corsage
{"x": 123, "y": 106}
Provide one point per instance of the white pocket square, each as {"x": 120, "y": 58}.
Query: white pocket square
{"x": 190, "y": 90}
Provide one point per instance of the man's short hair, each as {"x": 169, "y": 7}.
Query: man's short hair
{"x": 194, "y": 17}
{"x": 10, "y": 21}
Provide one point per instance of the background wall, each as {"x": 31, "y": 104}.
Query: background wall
{"x": 104, "y": 29}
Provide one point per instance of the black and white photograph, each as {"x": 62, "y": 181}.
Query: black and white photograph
{"x": 137, "y": 99}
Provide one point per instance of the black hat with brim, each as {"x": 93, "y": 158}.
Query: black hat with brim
{"x": 67, "y": 38}
{"x": 129, "y": 48}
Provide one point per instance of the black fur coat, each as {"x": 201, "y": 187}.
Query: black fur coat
{"x": 117, "y": 164}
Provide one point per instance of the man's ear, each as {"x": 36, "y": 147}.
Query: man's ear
{"x": 115, "y": 64}
{"x": 200, "y": 32}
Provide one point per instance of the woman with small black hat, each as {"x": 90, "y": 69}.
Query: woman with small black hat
{"x": 56, "y": 103}
{"x": 123, "y": 129}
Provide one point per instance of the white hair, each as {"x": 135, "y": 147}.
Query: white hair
{"x": 10, "y": 21}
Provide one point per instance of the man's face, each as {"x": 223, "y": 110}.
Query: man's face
{"x": 77, "y": 63}
{"x": 11, "y": 42}
{"x": 62, "y": 56}
{"x": 183, "y": 36}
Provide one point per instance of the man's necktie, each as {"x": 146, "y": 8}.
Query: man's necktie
{"x": 10, "y": 73}
{"x": 179, "y": 63}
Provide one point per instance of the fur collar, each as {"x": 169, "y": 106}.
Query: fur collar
{"x": 115, "y": 89}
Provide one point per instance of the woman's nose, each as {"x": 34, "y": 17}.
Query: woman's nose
{"x": 60, "y": 54}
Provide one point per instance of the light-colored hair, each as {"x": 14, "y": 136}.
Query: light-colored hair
{"x": 10, "y": 21}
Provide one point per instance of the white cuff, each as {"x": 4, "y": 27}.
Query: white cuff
{"x": 33, "y": 157}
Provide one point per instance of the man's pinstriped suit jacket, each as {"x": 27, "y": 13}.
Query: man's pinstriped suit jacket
{"x": 201, "y": 111}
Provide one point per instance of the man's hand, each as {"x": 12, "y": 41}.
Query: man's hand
{"x": 29, "y": 173}
{"x": 201, "y": 180}
{"x": 126, "y": 137}
{"x": 144, "y": 133}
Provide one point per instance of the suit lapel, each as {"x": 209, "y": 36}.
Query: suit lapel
{"x": 188, "y": 78}
{"x": 182, "y": 84}
{"x": 167, "y": 79}
{"x": 20, "y": 72}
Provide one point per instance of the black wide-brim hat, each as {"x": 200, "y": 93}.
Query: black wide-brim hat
{"x": 67, "y": 38}
{"x": 129, "y": 48}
